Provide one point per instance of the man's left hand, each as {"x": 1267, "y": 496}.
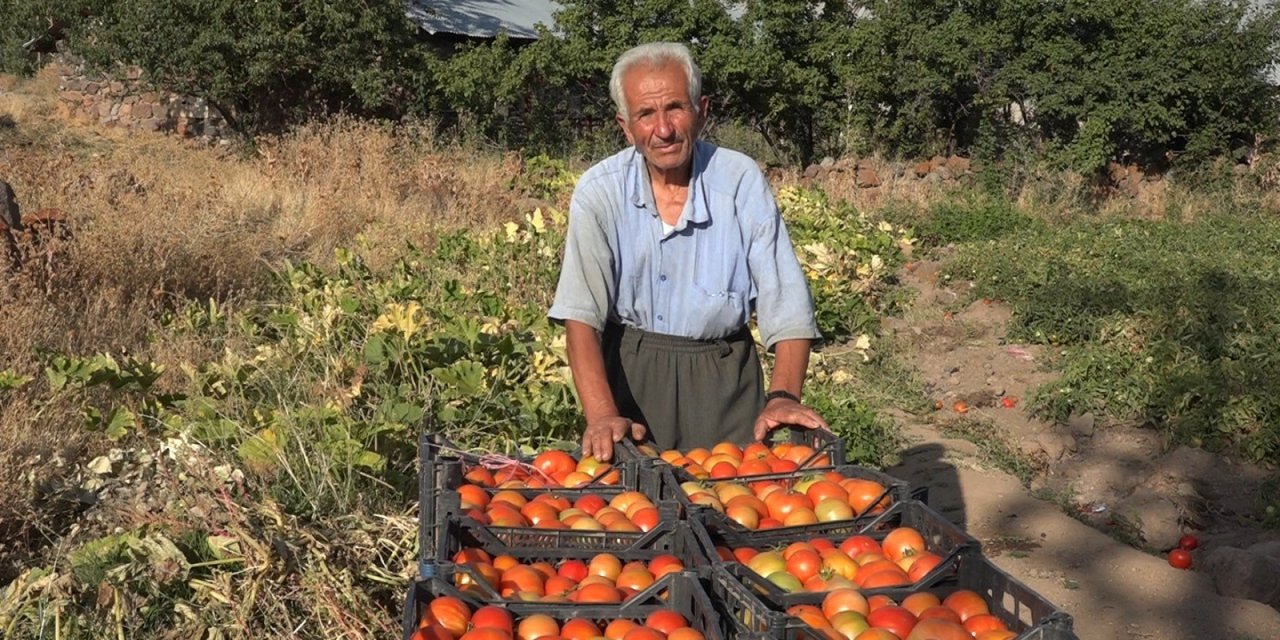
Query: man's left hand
{"x": 783, "y": 411}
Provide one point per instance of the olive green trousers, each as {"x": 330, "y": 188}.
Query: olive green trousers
{"x": 688, "y": 393}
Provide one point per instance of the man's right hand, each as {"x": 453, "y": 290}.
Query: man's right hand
{"x": 600, "y": 436}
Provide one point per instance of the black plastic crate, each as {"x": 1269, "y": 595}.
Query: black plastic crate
{"x": 941, "y": 536}
{"x": 895, "y": 490}
{"x": 440, "y": 476}
{"x": 687, "y": 541}
{"x": 1026, "y": 612}
{"x": 434, "y": 449}
{"x": 821, "y": 440}
{"x": 687, "y": 596}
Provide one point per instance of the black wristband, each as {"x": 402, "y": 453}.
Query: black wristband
{"x": 779, "y": 393}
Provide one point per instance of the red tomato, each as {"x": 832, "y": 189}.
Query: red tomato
{"x": 893, "y": 618}
{"x": 1188, "y": 542}
{"x": 1008, "y": 402}
{"x": 1180, "y": 559}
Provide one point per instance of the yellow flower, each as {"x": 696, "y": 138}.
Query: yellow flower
{"x": 406, "y": 319}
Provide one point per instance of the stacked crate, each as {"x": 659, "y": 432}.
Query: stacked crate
{"x": 716, "y": 593}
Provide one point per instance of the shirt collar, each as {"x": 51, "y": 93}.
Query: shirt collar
{"x": 642, "y": 190}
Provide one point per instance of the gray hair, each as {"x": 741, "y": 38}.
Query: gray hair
{"x": 655, "y": 55}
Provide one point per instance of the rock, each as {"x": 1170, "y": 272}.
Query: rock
{"x": 812, "y": 171}
{"x": 1081, "y": 425}
{"x": 1116, "y": 172}
{"x": 100, "y": 465}
{"x": 1131, "y": 185}
{"x": 1152, "y": 517}
{"x": 933, "y": 177}
{"x": 958, "y": 166}
{"x": 828, "y": 162}
{"x": 867, "y": 178}
{"x": 1055, "y": 445}
{"x": 943, "y": 172}
{"x": 1240, "y": 169}
{"x": 923, "y": 169}
{"x": 1245, "y": 573}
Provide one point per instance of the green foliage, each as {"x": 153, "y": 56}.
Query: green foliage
{"x": 976, "y": 218}
{"x": 32, "y": 21}
{"x": 870, "y": 439}
{"x": 265, "y": 65}
{"x": 847, "y": 256}
{"x": 1164, "y": 323}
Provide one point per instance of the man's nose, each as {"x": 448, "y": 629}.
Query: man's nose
{"x": 665, "y": 128}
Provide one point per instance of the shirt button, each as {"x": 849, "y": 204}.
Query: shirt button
{"x": 659, "y": 318}
{"x": 663, "y": 277}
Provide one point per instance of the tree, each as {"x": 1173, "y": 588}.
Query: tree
{"x": 269, "y": 63}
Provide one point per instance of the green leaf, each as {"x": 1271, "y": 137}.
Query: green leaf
{"x": 10, "y": 380}
{"x": 262, "y": 450}
{"x": 119, "y": 423}
{"x": 369, "y": 460}
{"x": 466, "y": 376}
{"x": 375, "y": 349}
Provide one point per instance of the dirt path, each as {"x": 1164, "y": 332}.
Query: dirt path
{"x": 1112, "y": 589}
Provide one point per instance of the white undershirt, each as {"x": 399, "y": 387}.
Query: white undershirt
{"x": 667, "y": 228}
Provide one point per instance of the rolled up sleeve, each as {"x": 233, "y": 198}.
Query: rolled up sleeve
{"x": 784, "y": 304}
{"x": 586, "y": 289}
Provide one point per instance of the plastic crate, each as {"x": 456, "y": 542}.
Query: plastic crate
{"x": 721, "y": 525}
{"x": 822, "y": 441}
{"x": 435, "y": 449}
{"x": 686, "y": 596}
{"x": 941, "y": 537}
{"x": 1026, "y": 612}
{"x": 687, "y": 541}
{"x": 440, "y": 476}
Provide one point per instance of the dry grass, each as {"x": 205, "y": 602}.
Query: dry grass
{"x": 159, "y": 222}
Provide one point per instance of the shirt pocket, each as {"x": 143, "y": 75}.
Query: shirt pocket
{"x": 721, "y": 293}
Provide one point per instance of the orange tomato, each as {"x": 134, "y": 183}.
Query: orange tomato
{"x": 938, "y": 629}
{"x": 894, "y": 618}
{"x": 844, "y": 600}
{"x": 665, "y": 621}
{"x": 579, "y": 629}
{"x": 492, "y": 617}
{"x": 451, "y": 613}
{"x": 967, "y": 603}
{"x": 618, "y": 628}
{"x": 538, "y": 625}
{"x": 903, "y": 542}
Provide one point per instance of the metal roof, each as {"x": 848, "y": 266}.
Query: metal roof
{"x": 483, "y": 18}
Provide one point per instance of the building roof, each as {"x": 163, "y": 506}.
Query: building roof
{"x": 483, "y": 18}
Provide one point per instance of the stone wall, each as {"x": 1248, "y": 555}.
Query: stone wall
{"x": 128, "y": 103}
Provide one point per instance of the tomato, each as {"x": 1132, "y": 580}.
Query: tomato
{"x": 903, "y": 542}
{"x": 553, "y": 463}
{"x": 961, "y": 407}
{"x": 665, "y": 621}
{"x": 745, "y": 516}
{"x": 755, "y": 467}
{"x": 849, "y": 623}
{"x": 767, "y": 563}
{"x": 432, "y": 631}
{"x": 1008, "y": 402}
{"x": 863, "y": 495}
{"x": 686, "y": 633}
{"x": 939, "y": 612}
{"x": 574, "y": 570}
{"x": 644, "y": 633}
{"x": 804, "y": 564}
{"x": 1180, "y": 559}
{"x": 521, "y": 578}
{"x": 605, "y": 564}
{"x": 967, "y": 603}
{"x": 494, "y": 617}
{"x": 663, "y": 564}
{"x": 894, "y": 618}
{"x": 984, "y": 622}
{"x": 833, "y": 510}
{"x": 579, "y": 629}
{"x": 618, "y": 628}
{"x": 785, "y": 581}
{"x": 857, "y": 545}
{"x": 591, "y": 504}
{"x": 646, "y": 518}
{"x": 1188, "y": 542}
{"x": 924, "y": 563}
{"x": 636, "y": 579}
{"x": 451, "y": 613}
{"x": 937, "y": 629}
{"x": 486, "y": 633}
{"x": 537, "y": 625}
{"x": 919, "y": 601}
{"x": 598, "y": 593}
{"x": 841, "y": 600}
{"x": 471, "y": 496}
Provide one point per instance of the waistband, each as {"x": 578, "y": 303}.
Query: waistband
{"x": 636, "y": 338}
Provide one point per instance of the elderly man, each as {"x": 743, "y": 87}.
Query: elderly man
{"x": 672, "y": 244}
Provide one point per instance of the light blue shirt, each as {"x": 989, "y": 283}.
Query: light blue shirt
{"x": 729, "y": 254}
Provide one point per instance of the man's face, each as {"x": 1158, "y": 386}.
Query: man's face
{"x": 661, "y": 120}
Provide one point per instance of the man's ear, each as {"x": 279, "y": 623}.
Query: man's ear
{"x": 622, "y": 124}
{"x": 704, "y": 111}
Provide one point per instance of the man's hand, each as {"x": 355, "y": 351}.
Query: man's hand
{"x": 600, "y": 436}
{"x": 783, "y": 411}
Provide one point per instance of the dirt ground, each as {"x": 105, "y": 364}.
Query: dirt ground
{"x": 1118, "y": 480}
